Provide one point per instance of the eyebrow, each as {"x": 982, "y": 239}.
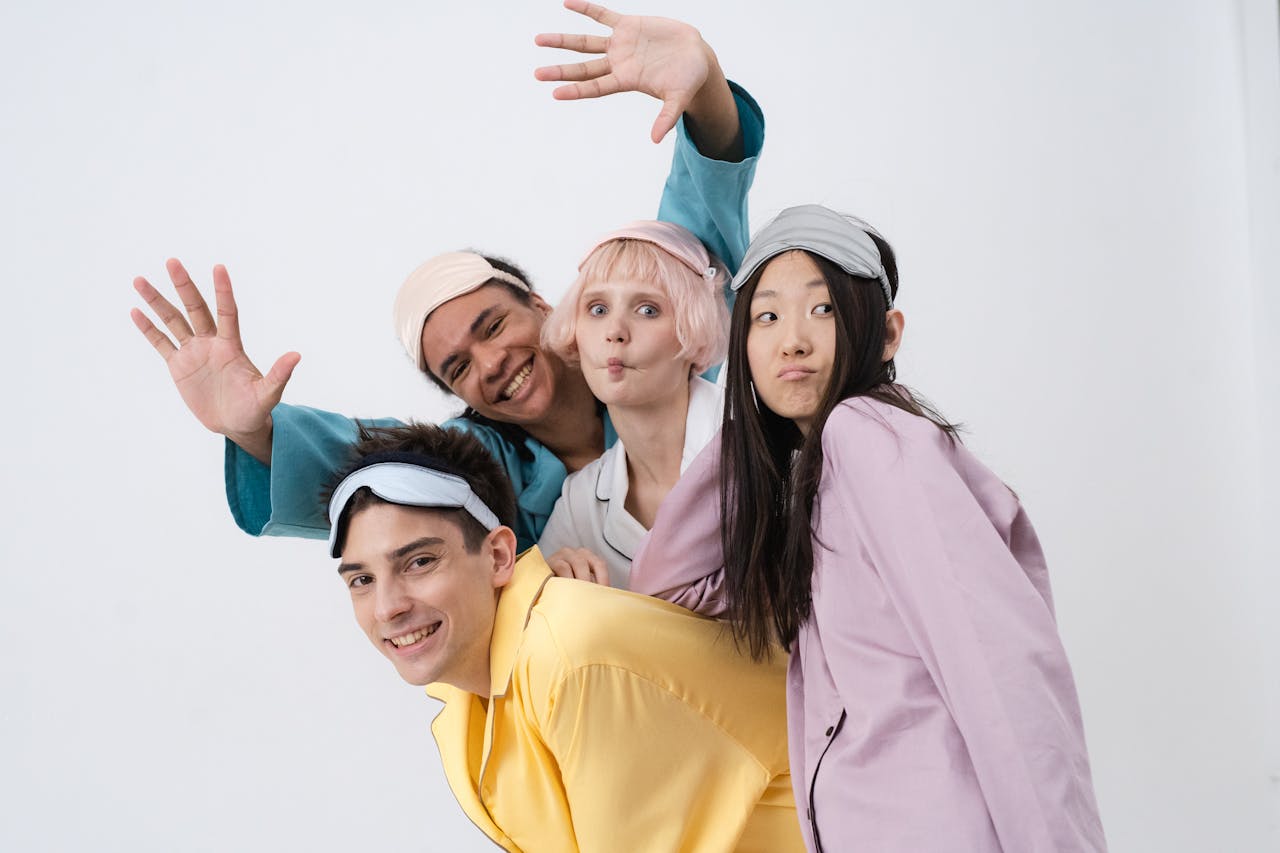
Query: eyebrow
{"x": 421, "y": 542}
{"x": 479, "y": 321}
{"x": 817, "y": 282}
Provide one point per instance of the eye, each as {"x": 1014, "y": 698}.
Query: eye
{"x": 648, "y": 310}
{"x": 823, "y": 309}
{"x": 597, "y": 310}
{"x": 357, "y": 581}
{"x": 765, "y": 317}
{"x": 494, "y": 327}
{"x": 423, "y": 561}
{"x": 458, "y": 369}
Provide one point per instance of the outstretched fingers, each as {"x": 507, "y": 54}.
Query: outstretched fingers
{"x": 667, "y": 117}
{"x": 225, "y": 300}
{"x": 573, "y": 70}
{"x": 593, "y": 11}
{"x": 573, "y": 41}
{"x": 197, "y": 308}
{"x": 154, "y": 336}
{"x": 163, "y": 308}
{"x": 598, "y": 87}
{"x": 278, "y": 376}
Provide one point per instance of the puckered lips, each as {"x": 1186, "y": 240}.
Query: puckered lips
{"x": 409, "y": 642}
{"x": 795, "y": 373}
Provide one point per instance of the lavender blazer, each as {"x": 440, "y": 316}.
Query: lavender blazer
{"x": 930, "y": 704}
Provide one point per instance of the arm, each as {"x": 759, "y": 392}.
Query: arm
{"x": 681, "y": 560}
{"x": 719, "y": 128}
{"x": 307, "y": 449}
{"x": 902, "y": 503}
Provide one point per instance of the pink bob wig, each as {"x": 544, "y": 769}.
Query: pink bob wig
{"x": 697, "y": 297}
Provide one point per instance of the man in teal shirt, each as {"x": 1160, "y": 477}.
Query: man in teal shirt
{"x": 279, "y": 456}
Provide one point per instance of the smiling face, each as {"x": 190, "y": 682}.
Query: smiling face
{"x": 423, "y": 599}
{"x": 485, "y": 347}
{"x": 791, "y": 338}
{"x": 627, "y": 343}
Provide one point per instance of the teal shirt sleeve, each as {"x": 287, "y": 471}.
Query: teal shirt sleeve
{"x": 709, "y": 197}
{"x": 308, "y": 448}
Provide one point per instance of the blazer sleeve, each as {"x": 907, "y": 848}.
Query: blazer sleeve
{"x": 982, "y": 627}
{"x": 681, "y": 559}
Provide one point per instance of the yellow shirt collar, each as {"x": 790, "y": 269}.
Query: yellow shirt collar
{"x": 515, "y": 602}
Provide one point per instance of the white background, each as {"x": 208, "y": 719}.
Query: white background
{"x": 1085, "y": 202}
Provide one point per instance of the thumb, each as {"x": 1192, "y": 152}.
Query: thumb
{"x": 672, "y": 109}
{"x": 278, "y": 376}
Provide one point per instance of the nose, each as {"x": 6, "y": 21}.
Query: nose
{"x": 615, "y": 330}
{"x": 390, "y": 600}
{"x": 491, "y": 359}
{"x": 795, "y": 338}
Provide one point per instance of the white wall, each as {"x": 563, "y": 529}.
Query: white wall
{"x": 1083, "y": 199}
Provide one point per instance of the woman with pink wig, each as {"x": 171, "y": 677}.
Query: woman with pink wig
{"x": 645, "y": 316}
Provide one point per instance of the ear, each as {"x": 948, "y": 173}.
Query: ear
{"x": 539, "y": 304}
{"x": 500, "y": 545}
{"x": 894, "y": 323}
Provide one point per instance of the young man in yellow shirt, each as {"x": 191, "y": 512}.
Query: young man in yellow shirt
{"x": 576, "y": 717}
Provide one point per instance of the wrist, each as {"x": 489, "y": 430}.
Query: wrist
{"x": 257, "y": 442}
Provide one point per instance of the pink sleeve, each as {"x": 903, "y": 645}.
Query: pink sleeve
{"x": 974, "y": 601}
{"x": 681, "y": 560}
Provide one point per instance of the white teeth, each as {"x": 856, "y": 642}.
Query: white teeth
{"x": 410, "y": 639}
{"x": 516, "y": 382}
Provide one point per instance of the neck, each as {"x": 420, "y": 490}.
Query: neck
{"x": 572, "y": 429}
{"x": 654, "y": 439}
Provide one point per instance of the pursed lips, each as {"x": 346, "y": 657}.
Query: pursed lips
{"x": 795, "y": 372}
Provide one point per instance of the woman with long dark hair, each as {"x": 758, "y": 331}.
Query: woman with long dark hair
{"x": 930, "y": 703}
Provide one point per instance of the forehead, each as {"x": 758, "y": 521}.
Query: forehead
{"x": 625, "y": 287}
{"x": 377, "y": 529}
{"x": 788, "y": 271}
{"x": 452, "y": 326}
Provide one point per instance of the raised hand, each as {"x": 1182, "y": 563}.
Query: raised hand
{"x": 219, "y": 384}
{"x": 661, "y": 57}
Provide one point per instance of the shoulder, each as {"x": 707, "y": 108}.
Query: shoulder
{"x": 486, "y": 434}
{"x": 609, "y": 636}
{"x": 869, "y": 436}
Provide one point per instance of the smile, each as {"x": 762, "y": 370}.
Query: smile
{"x": 411, "y": 638}
{"x": 517, "y": 382}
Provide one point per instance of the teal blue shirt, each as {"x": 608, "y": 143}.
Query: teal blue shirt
{"x": 309, "y": 446}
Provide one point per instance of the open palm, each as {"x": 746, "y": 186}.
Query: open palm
{"x": 660, "y": 57}
{"x": 207, "y": 362}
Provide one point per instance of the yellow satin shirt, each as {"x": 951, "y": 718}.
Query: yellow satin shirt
{"x": 617, "y": 722}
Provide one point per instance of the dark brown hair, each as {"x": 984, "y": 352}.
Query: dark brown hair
{"x": 770, "y": 470}
{"x": 452, "y": 451}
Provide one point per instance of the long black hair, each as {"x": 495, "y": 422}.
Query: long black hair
{"x": 770, "y": 470}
